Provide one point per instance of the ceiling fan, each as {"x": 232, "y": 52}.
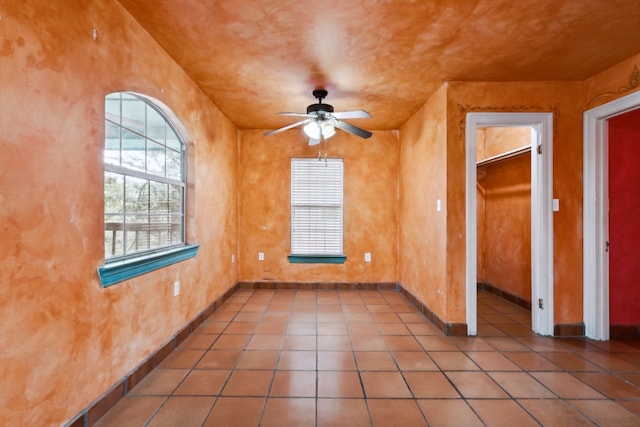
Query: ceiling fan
{"x": 320, "y": 121}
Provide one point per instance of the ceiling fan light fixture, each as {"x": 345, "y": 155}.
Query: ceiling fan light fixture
{"x": 312, "y": 129}
{"x": 321, "y": 121}
{"x": 315, "y": 129}
{"x": 327, "y": 130}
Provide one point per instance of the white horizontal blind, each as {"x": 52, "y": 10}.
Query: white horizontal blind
{"x": 316, "y": 206}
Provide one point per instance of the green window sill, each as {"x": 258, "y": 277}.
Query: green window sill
{"x": 119, "y": 271}
{"x": 317, "y": 259}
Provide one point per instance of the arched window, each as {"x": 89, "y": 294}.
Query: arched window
{"x": 144, "y": 179}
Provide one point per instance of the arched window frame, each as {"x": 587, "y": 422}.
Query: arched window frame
{"x": 144, "y": 189}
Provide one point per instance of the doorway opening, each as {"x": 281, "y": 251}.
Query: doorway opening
{"x": 541, "y": 145}
{"x": 596, "y": 301}
{"x": 504, "y": 212}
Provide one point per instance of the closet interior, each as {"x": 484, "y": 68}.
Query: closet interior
{"x": 504, "y": 212}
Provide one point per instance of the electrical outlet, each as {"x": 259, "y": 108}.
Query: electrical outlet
{"x": 367, "y": 257}
{"x": 260, "y": 256}
{"x": 176, "y": 289}
{"x": 233, "y": 259}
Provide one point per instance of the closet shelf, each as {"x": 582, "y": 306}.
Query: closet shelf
{"x": 504, "y": 156}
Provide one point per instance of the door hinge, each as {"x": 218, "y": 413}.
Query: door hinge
{"x": 539, "y": 149}
{"x": 540, "y": 304}
{"x": 606, "y": 246}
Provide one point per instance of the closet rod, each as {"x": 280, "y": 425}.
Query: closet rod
{"x": 504, "y": 156}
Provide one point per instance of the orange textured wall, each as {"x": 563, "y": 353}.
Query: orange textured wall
{"x": 65, "y": 340}
{"x": 423, "y": 233}
{"x": 612, "y": 83}
{"x": 494, "y": 141}
{"x": 504, "y": 252}
{"x": 554, "y": 97}
{"x": 446, "y": 297}
{"x": 370, "y": 207}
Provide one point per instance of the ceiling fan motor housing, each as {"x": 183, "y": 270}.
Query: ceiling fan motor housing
{"x": 320, "y": 107}
{"x": 320, "y": 94}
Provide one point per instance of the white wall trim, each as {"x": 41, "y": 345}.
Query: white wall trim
{"x": 595, "y": 259}
{"x": 541, "y": 214}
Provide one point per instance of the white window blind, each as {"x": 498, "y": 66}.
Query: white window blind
{"x": 316, "y": 206}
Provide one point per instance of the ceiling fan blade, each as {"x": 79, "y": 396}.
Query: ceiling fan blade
{"x": 292, "y": 125}
{"x": 355, "y": 114}
{"x": 347, "y": 127}
{"x": 314, "y": 141}
{"x": 286, "y": 113}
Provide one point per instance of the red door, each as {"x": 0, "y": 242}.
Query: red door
{"x": 624, "y": 219}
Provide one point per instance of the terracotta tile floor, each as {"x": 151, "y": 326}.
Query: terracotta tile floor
{"x": 369, "y": 358}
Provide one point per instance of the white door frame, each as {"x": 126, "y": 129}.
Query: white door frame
{"x": 595, "y": 258}
{"x": 541, "y": 214}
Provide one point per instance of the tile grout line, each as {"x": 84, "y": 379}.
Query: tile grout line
{"x": 172, "y": 394}
{"x": 575, "y": 348}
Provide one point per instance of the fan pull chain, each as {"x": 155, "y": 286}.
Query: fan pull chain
{"x": 326, "y": 145}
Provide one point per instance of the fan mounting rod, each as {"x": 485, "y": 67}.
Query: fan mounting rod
{"x": 320, "y": 94}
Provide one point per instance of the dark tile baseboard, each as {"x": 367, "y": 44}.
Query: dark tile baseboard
{"x": 451, "y": 329}
{"x": 93, "y": 412}
{"x": 620, "y": 331}
{"x": 568, "y": 330}
{"x": 559, "y": 329}
{"x": 522, "y": 302}
{"x": 318, "y": 285}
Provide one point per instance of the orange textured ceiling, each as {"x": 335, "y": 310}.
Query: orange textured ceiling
{"x": 256, "y": 58}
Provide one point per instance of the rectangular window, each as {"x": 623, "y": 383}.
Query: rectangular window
{"x": 316, "y": 207}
